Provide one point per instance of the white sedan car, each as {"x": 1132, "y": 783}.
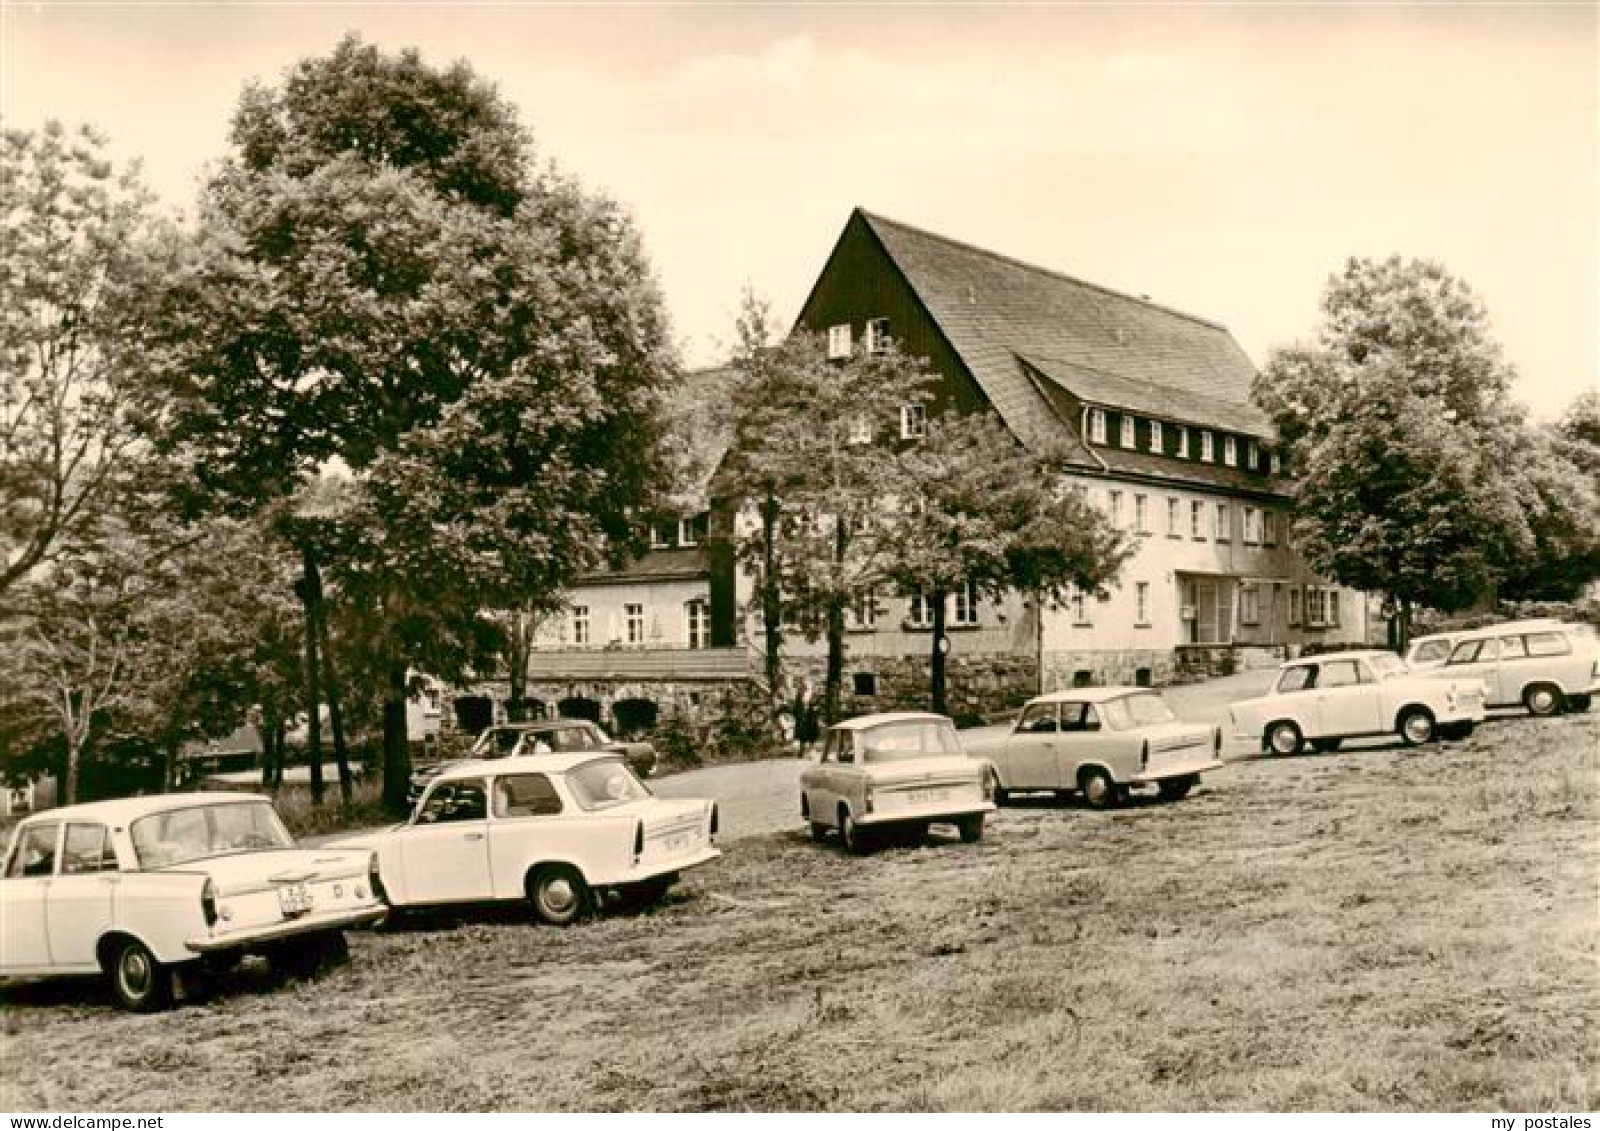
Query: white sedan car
{"x": 554, "y": 829}
{"x": 1327, "y": 698}
{"x": 146, "y": 889}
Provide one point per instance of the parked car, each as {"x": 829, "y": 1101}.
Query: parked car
{"x": 1547, "y": 667}
{"x": 148, "y": 889}
{"x": 547, "y": 736}
{"x": 1434, "y": 649}
{"x": 905, "y": 770}
{"x": 558, "y": 830}
{"x": 1337, "y": 695}
{"x": 1101, "y": 742}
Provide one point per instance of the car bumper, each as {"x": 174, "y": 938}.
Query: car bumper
{"x": 248, "y": 939}
{"x": 1178, "y": 769}
{"x": 661, "y": 867}
{"x": 931, "y": 813}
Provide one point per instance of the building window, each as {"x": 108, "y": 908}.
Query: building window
{"x": 580, "y": 624}
{"x": 864, "y": 684}
{"x": 660, "y": 535}
{"x": 1294, "y": 604}
{"x": 697, "y": 621}
{"x": 1141, "y": 599}
{"x": 1277, "y": 463}
{"x": 839, "y": 342}
{"x": 921, "y": 611}
{"x": 1197, "y": 520}
{"x": 878, "y": 335}
{"x": 1249, "y": 604}
{"x": 1114, "y": 508}
{"x": 692, "y": 530}
{"x": 1224, "y": 523}
{"x": 1269, "y": 528}
{"x": 1322, "y": 606}
{"x": 1252, "y": 454}
{"x": 1141, "y": 514}
{"x": 1155, "y": 436}
{"x": 1183, "y": 442}
{"x": 1080, "y": 607}
{"x": 1252, "y": 525}
{"x": 964, "y": 608}
{"x": 913, "y": 421}
{"x": 1127, "y": 432}
{"x": 1230, "y": 451}
{"x": 633, "y": 616}
{"x": 861, "y": 430}
{"x": 862, "y": 613}
{"x": 1208, "y": 447}
{"x": 1097, "y": 425}
{"x": 1174, "y": 518}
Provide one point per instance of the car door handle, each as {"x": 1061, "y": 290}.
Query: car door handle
{"x": 471, "y": 836}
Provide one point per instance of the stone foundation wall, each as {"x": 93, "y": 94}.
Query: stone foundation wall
{"x": 692, "y": 700}
{"x": 976, "y": 685}
{"x": 1131, "y": 667}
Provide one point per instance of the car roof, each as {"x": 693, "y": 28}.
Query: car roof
{"x": 526, "y": 763}
{"x": 865, "y": 722}
{"x": 1536, "y": 624}
{"x": 1346, "y": 654}
{"x": 121, "y": 810}
{"x": 533, "y": 726}
{"x": 1091, "y": 694}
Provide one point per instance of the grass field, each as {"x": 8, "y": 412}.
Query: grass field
{"x": 1369, "y": 930}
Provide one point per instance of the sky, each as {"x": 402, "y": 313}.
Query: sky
{"x": 1224, "y": 160}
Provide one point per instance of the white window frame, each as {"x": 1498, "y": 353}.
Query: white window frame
{"x": 1182, "y": 450}
{"x": 1114, "y": 508}
{"x": 919, "y": 610}
{"x": 861, "y": 614}
{"x": 1097, "y": 425}
{"x": 1208, "y": 446}
{"x": 1197, "y": 520}
{"x": 660, "y": 536}
{"x": 1252, "y": 454}
{"x": 913, "y": 421}
{"x": 1230, "y": 451}
{"x": 964, "y": 606}
{"x": 1141, "y": 514}
{"x": 1080, "y": 607}
{"x": 1276, "y": 462}
{"x": 1296, "y": 605}
{"x": 1141, "y": 604}
{"x": 877, "y": 335}
{"x": 839, "y": 342}
{"x": 1269, "y": 528}
{"x": 1155, "y": 436}
{"x": 1252, "y": 526}
{"x": 1249, "y": 603}
{"x": 1129, "y": 432}
{"x": 1174, "y": 517}
{"x": 633, "y": 623}
{"x": 686, "y": 534}
{"x": 1224, "y": 523}
{"x": 580, "y": 624}
{"x": 697, "y": 623}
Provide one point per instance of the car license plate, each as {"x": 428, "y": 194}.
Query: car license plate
{"x": 923, "y": 796}
{"x": 294, "y": 899}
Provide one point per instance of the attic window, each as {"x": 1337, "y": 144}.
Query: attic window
{"x": 1277, "y": 463}
{"x": 1230, "y": 451}
{"x": 1252, "y": 454}
{"x": 660, "y": 535}
{"x": 1208, "y": 447}
{"x": 1097, "y": 425}
{"x": 839, "y": 342}
{"x": 878, "y": 335}
{"x": 1183, "y": 442}
{"x": 1155, "y": 437}
{"x": 1127, "y": 432}
{"x": 692, "y": 530}
{"x": 913, "y": 422}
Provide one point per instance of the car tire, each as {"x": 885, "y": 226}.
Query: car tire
{"x": 558, "y": 894}
{"x": 1578, "y": 702}
{"x": 970, "y": 828}
{"x": 138, "y": 981}
{"x": 1284, "y": 737}
{"x": 1415, "y": 726}
{"x": 819, "y": 831}
{"x": 855, "y": 839}
{"x": 1455, "y": 732}
{"x": 1326, "y": 745}
{"x": 1542, "y": 699}
{"x": 1176, "y": 789}
{"x": 1099, "y": 791}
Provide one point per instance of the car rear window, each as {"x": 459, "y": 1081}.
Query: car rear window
{"x": 900, "y": 742}
{"x": 1548, "y": 644}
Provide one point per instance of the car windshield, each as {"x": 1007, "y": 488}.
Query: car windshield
{"x": 197, "y": 832}
{"x": 579, "y": 737}
{"x": 1389, "y": 666}
{"x": 604, "y": 783}
{"x": 900, "y": 742}
{"x": 1136, "y": 711}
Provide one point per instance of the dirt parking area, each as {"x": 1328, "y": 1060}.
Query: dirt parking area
{"x": 1381, "y": 928}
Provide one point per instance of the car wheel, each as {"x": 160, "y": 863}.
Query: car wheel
{"x": 1416, "y": 726}
{"x": 1455, "y": 732}
{"x": 1542, "y": 699}
{"x": 1176, "y": 789}
{"x": 819, "y": 831}
{"x": 138, "y": 981}
{"x": 1098, "y": 789}
{"x": 1326, "y": 745}
{"x": 1283, "y": 737}
{"x": 558, "y": 894}
{"x": 854, "y": 837}
{"x": 970, "y": 828}
{"x": 1578, "y": 702}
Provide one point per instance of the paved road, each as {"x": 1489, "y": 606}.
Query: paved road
{"x": 764, "y": 797}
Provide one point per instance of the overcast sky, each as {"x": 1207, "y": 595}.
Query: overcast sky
{"x": 1223, "y": 160}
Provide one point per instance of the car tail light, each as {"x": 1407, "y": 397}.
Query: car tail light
{"x": 1144, "y": 755}
{"x": 866, "y": 800}
{"x": 208, "y": 902}
{"x": 1216, "y": 741}
{"x": 713, "y": 818}
{"x": 375, "y": 878}
{"x": 638, "y": 841}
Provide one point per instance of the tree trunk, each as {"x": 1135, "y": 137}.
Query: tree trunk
{"x": 341, "y": 753}
{"x": 396, "y": 751}
{"x": 268, "y": 736}
{"x": 280, "y": 748}
{"x": 833, "y": 682}
{"x": 517, "y": 648}
{"x": 69, "y": 786}
{"x": 309, "y": 587}
{"x": 1405, "y": 624}
{"x": 771, "y": 601}
{"x": 936, "y": 690}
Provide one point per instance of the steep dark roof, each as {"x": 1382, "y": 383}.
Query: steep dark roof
{"x": 656, "y": 565}
{"x": 699, "y": 429}
{"x": 1103, "y": 347}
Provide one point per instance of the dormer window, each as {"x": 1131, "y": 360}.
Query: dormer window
{"x": 913, "y": 422}
{"x": 692, "y": 530}
{"x": 1252, "y": 454}
{"x": 1097, "y": 425}
{"x": 878, "y": 335}
{"x": 1155, "y": 436}
{"x": 1277, "y": 463}
{"x": 1127, "y": 432}
{"x": 660, "y": 535}
{"x": 1183, "y": 442}
{"x": 1230, "y": 451}
{"x": 839, "y": 342}
{"x": 1208, "y": 446}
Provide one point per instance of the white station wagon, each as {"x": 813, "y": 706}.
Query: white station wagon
{"x": 1327, "y": 698}
{"x": 149, "y": 888}
{"x": 1547, "y": 666}
{"x": 554, "y": 829}
{"x": 902, "y": 770}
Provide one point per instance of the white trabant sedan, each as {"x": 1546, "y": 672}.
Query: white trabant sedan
{"x": 1327, "y": 698}
{"x": 555, "y": 829}
{"x": 147, "y": 889}
{"x": 1100, "y": 742}
{"x": 902, "y": 770}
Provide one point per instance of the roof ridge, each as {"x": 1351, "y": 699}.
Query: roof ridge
{"x": 874, "y": 218}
